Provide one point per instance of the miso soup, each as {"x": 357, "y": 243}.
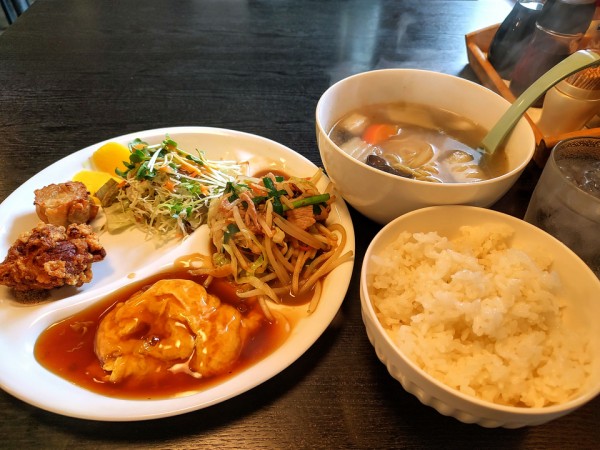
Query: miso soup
{"x": 419, "y": 142}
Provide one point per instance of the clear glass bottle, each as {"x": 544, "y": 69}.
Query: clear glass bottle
{"x": 557, "y": 34}
{"x": 513, "y": 35}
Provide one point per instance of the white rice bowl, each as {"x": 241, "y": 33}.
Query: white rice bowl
{"x": 482, "y": 315}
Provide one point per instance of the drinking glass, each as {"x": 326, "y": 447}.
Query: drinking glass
{"x": 566, "y": 199}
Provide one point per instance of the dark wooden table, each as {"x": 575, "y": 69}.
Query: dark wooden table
{"x": 75, "y": 72}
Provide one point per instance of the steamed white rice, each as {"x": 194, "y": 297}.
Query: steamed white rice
{"x": 480, "y": 316}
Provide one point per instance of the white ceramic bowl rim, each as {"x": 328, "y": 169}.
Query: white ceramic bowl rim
{"x": 479, "y": 87}
{"x": 524, "y": 411}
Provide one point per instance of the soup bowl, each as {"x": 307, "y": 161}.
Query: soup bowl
{"x": 383, "y": 196}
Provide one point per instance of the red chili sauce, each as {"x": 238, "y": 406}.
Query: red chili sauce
{"x": 67, "y": 347}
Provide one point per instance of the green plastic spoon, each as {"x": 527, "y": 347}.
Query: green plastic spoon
{"x": 574, "y": 63}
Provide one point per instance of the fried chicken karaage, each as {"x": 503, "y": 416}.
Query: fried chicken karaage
{"x": 50, "y": 256}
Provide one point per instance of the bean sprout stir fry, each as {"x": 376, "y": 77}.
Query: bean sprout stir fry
{"x": 272, "y": 238}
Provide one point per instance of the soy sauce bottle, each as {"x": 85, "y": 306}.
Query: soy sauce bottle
{"x": 513, "y": 35}
{"x": 558, "y": 31}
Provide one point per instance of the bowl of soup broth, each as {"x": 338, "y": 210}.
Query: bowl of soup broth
{"x": 396, "y": 140}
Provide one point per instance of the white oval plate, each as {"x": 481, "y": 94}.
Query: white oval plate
{"x": 130, "y": 257}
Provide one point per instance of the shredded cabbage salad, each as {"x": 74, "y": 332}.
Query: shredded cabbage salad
{"x": 165, "y": 189}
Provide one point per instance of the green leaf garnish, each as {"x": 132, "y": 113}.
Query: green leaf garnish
{"x": 195, "y": 159}
{"x": 230, "y": 231}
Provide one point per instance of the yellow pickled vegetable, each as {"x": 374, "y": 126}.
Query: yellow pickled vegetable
{"x": 93, "y": 179}
{"x": 110, "y": 157}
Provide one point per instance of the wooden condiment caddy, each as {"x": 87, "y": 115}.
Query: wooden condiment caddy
{"x": 478, "y": 43}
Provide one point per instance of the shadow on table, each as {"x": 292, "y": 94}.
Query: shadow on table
{"x": 433, "y": 430}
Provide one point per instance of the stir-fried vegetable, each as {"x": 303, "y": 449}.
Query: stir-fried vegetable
{"x": 272, "y": 238}
{"x": 165, "y": 189}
